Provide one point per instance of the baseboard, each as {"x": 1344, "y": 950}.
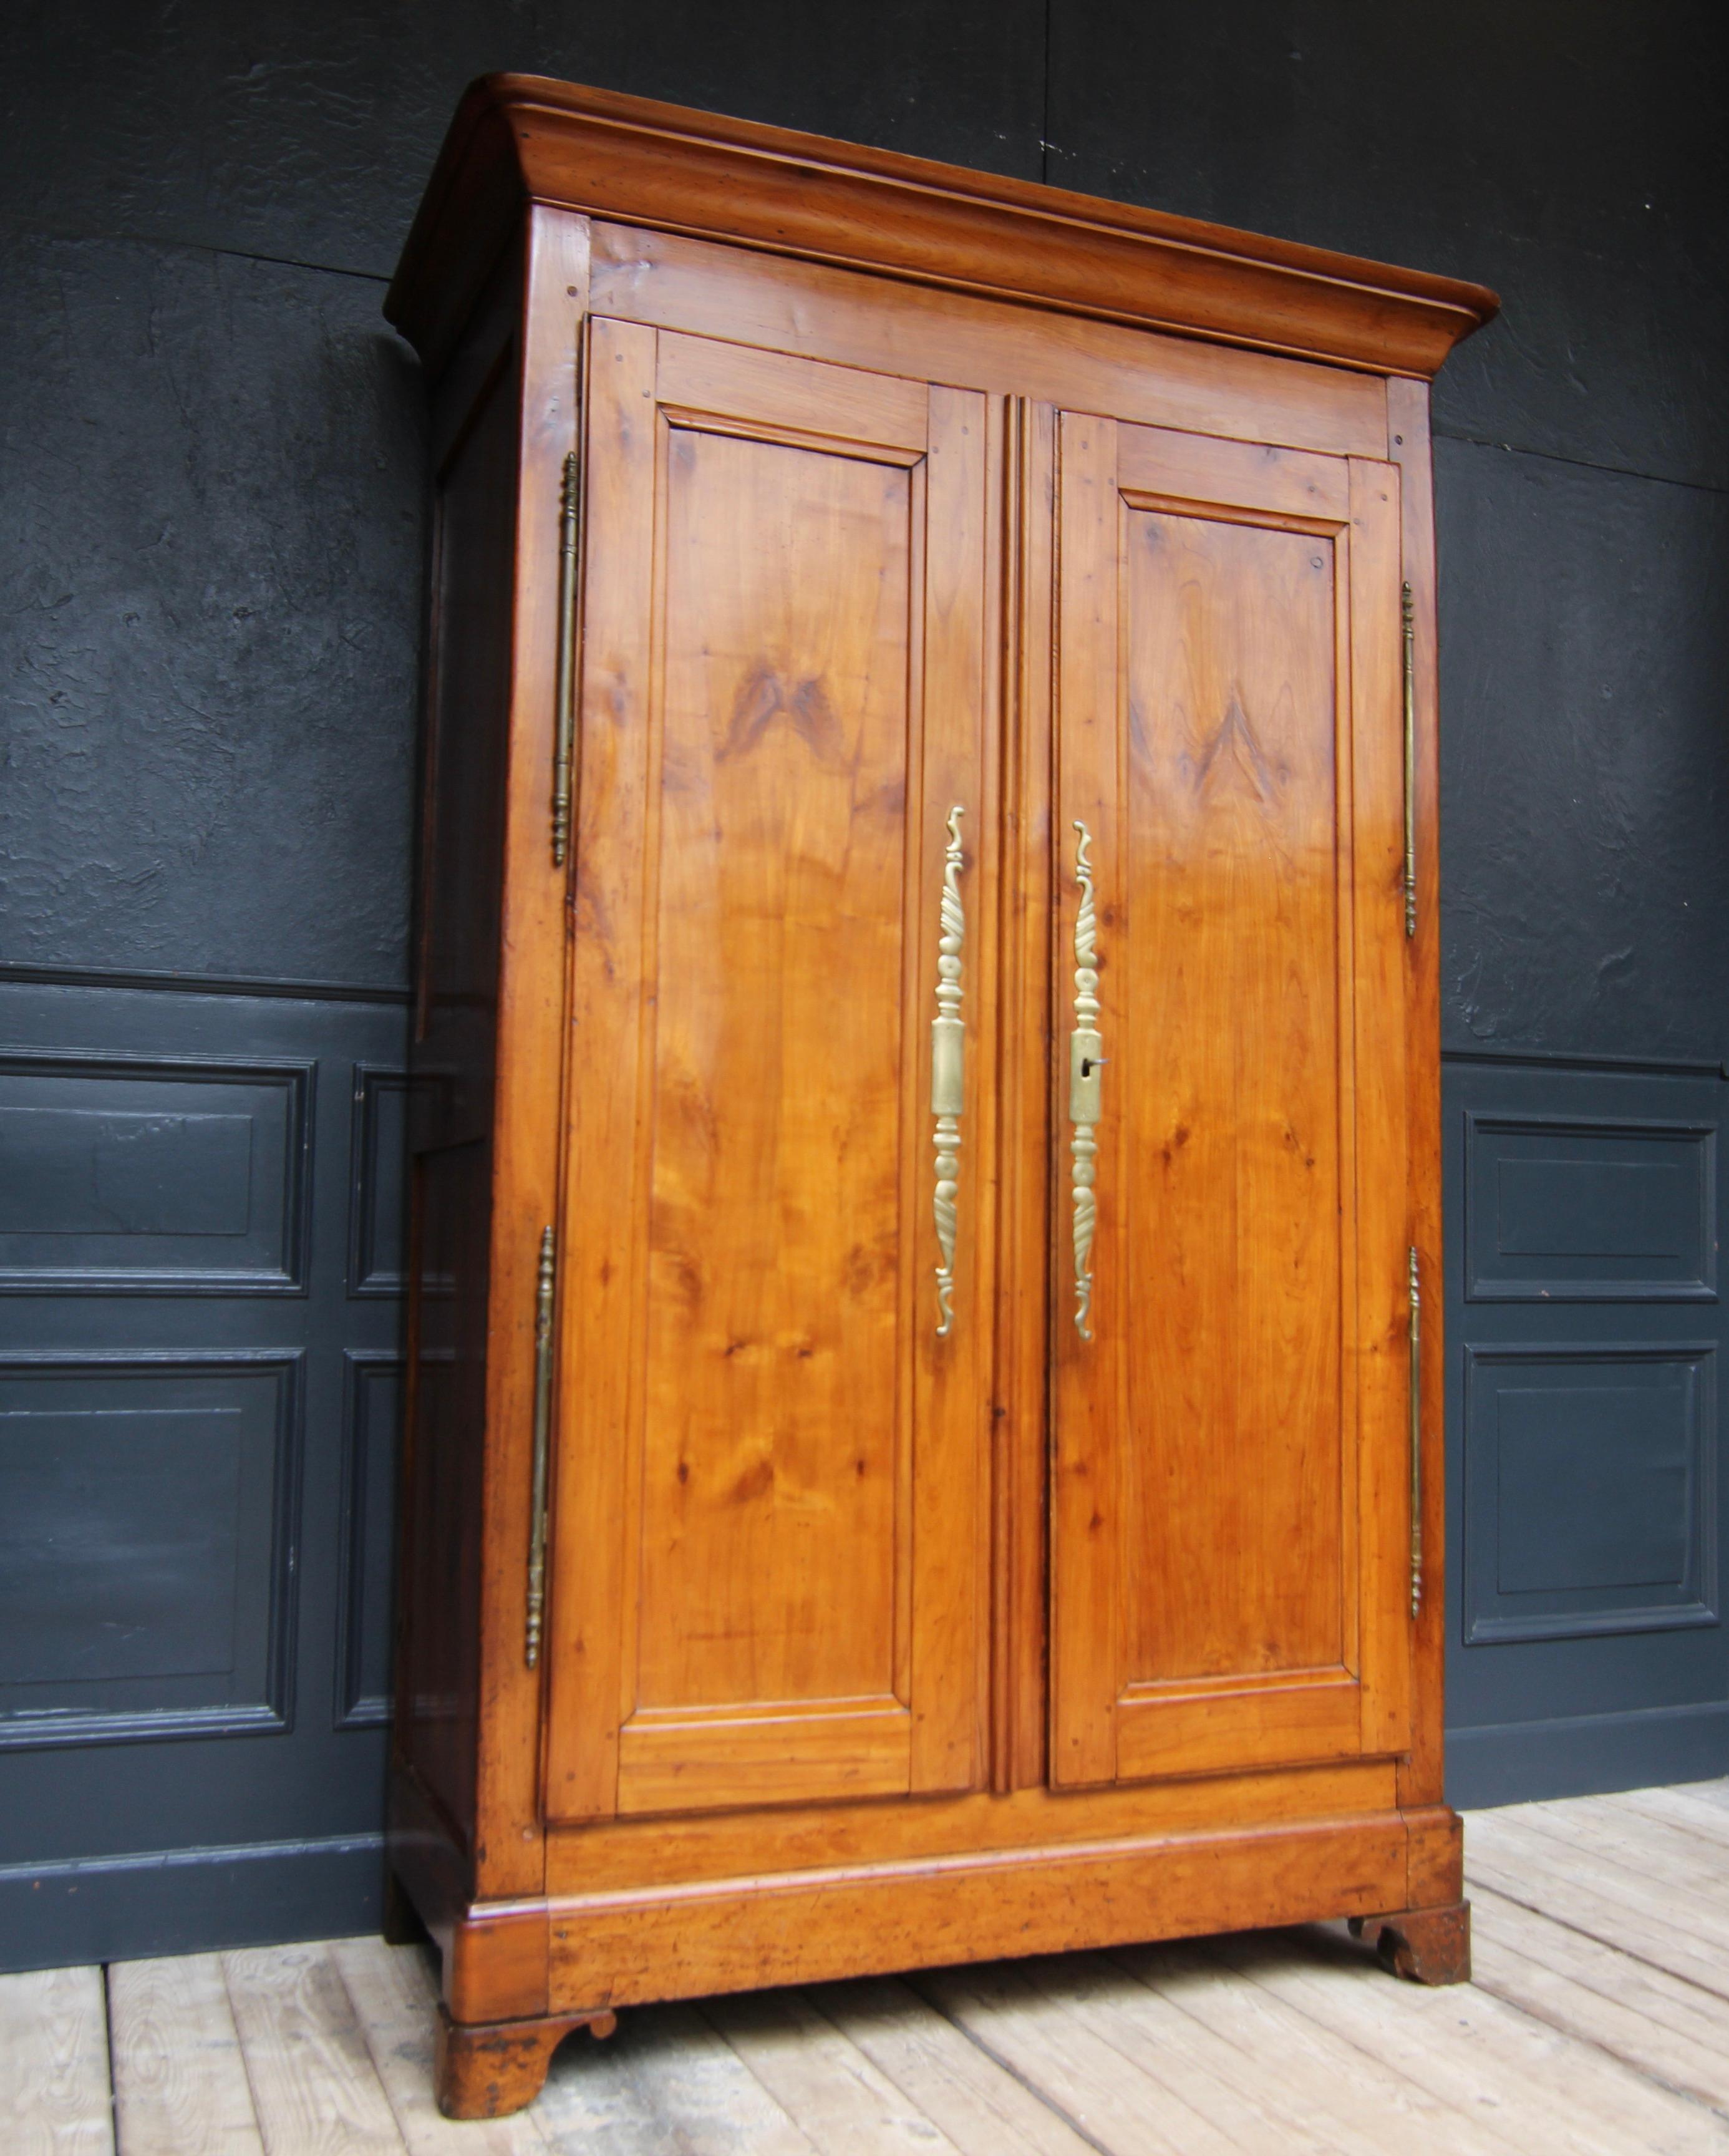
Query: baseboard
{"x": 188, "y": 1900}
{"x": 1586, "y": 1755}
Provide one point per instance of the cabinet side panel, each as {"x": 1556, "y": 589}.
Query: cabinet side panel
{"x": 1409, "y": 446}
{"x": 452, "y": 1055}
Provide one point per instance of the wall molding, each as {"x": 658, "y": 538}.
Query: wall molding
{"x": 200, "y": 984}
{"x": 297, "y": 1077}
{"x": 1483, "y": 1125}
{"x": 1516, "y": 1762}
{"x": 365, "y": 1279}
{"x": 355, "y": 1708}
{"x": 1566, "y": 1059}
{"x": 138, "y": 1904}
{"x": 272, "y": 1713}
{"x": 1696, "y": 1610}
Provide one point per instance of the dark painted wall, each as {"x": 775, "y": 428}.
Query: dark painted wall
{"x": 210, "y": 542}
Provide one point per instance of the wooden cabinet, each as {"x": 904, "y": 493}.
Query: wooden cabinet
{"x": 925, "y": 1122}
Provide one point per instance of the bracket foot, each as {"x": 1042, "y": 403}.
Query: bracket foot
{"x": 488, "y": 2069}
{"x": 1425, "y": 1946}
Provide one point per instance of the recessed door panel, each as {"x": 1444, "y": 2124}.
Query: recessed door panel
{"x": 1232, "y": 1229}
{"x": 1230, "y": 1432}
{"x": 757, "y": 1415}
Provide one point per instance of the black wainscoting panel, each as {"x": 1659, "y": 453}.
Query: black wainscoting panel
{"x": 1589, "y": 1504}
{"x": 1605, "y": 1212}
{"x": 371, "y": 1453}
{"x": 1586, "y": 1491}
{"x": 377, "y": 1199}
{"x": 120, "y": 1173}
{"x": 146, "y": 1545}
{"x": 195, "y": 1496}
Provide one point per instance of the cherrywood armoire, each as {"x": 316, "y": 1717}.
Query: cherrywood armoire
{"x": 924, "y": 1389}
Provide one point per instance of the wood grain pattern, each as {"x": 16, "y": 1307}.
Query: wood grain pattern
{"x": 306, "y": 2059}
{"x": 1382, "y": 978}
{"x": 489, "y": 2069}
{"x": 179, "y": 2077}
{"x": 1408, "y": 447}
{"x": 666, "y": 2082}
{"x": 799, "y": 1928}
{"x": 984, "y": 2109}
{"x": 776, "y": 1629}
{"x": 1319, "y": 2071}
{"x": 1548, "y": 2095}
{"x": 822, "y": 2082}
{"x": 627, "y": 1853}
{"x": 869, "y": 1643}
{"x": 602, "y": 1226}
{"x": 1144, "y": 2103}
{"x": 509, "y": 1844}
{"x": 597, "y": 151}
{"x": 1226, "y": 1077}
{"x": 781, "y": 931}
{"x": 1020, "y": 1461}
{"x": 1641, "y": 2013}
{"x": 1563, "y": 2040}
{"x": 890, "y": 328}
{"x": 53, "y": 2062}
{"x": 1086, "y": 1406}
{"x": 1226, "y": 1569}
{"x": 394, "y": 1994}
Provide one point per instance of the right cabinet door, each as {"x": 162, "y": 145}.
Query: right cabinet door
{"x": 1231, "y": 1521}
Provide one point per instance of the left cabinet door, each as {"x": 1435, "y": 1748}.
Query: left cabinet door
{"x": 768, "y": 1504}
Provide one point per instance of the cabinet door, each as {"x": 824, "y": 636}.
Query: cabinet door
{"x": 1231, "y": 1526}
{"x": 770, "y": 1423}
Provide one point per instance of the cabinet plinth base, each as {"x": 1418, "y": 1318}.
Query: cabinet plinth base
{"x": 1425, "y": 1946}
{"x": 488, "y": 2069}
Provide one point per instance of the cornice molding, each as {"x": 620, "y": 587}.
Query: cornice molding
{"x": 525, "y": 138}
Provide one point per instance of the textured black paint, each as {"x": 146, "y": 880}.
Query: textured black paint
{"x": 306, "y": 130}
{"x": 1570, "y": 152}
{"x": 210, "y": 547}
{"x": 1585, "y": 764}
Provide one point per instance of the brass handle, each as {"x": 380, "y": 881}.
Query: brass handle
{"x": 544, "y": 1286}
{"x": 948, "y": 1087}
{"x": 1085, "y": 1088}
{"x": 565, "y": 694}
{"x": 1410, "y": 636}
{"x": 1416, "y": 1438}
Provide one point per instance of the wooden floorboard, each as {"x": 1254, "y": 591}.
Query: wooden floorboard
{"x": 179, "y": 2082}
{"x": 54, "y": 2063}
{"x": 1597, "y": 2024}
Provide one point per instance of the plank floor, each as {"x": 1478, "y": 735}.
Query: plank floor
{"x": 1597, "y": 2024}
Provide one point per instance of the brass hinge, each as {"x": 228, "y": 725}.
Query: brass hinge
{"x": 1410, "y": 628}
{"x": 569, "y": 519}
{"x": 1416, "y": 1438}
{"x": 545, "y": 1286}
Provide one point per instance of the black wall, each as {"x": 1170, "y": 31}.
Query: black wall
{"x": 210, "y": 548}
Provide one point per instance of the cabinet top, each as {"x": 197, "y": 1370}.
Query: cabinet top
{"x": 518, "y": 138}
